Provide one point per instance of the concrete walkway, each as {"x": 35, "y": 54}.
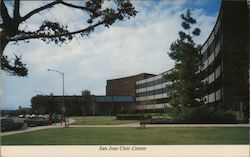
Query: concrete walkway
{"x": 99, "y": 126}
{"x": 58, "y": 125}
{"x": 29, "y": 129}
{"x": 165, "y": 125}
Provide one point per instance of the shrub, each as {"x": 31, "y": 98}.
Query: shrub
{"x": 158, "y": 121}
{"x": 203, "y": 115}
{"x": 133, "y": 117}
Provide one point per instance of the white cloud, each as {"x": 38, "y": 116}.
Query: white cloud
{"x": 126, "y": 48}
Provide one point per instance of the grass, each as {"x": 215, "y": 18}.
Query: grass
{"x": 131, "y": 136}
{"x": 93, "y": 120}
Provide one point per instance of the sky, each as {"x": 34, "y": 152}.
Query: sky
{"x": 126, "y": 48}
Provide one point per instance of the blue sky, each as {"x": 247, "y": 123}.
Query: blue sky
{"x": 126, "y": 48}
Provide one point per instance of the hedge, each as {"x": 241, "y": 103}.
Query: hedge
{"x": 158, "y": 121}
{"x": 133, "y": 117}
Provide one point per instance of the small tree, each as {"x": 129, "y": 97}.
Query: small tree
{"x": 87, "y": 103}
{"x": 186, "y": 89}
{"x": 51, "y": 31}
{"x": 144, "y": 105}
{"x": 44, "y": 104}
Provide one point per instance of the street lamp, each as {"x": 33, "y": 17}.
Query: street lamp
{"x": 62, "y": 74}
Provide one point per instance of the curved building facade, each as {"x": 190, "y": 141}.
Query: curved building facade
{"x": 225, "y": 59}
{"x": 224, "y": 66}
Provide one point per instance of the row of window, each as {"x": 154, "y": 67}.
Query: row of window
{"x": 208, "y": 59}
{"x": 114, "y": 98}
{"x": 212, "y": 42}
{"x": 151, "y": 83}
{"x": 213, "y": 76}
{"x": 156, "y": 101}
{"x": 212, "y": 66}
{"x": 152, "y": 92}
{"x": 211, "y": 88}
{"x": 216, "y": 96}
{"x": 214, "y": 34}
{"x": 152, "y": 106}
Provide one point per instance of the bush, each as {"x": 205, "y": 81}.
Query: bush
{"x": 158, "y": 121}
{"x": 203, "y": 115}
{"x": 133, "y": 117}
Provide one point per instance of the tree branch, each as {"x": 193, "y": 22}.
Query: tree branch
{"x": 76, "y": 6}
{"x": 36, "y": 36}
{"x": 16, "y": 9}
{"x": 4, "y": 12}
{"x": 39, "y": 9}
{"x": 15, "y": 68}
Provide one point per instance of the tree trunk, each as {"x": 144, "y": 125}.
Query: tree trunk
{"x": 3, "y": 44}
{"x": 9, "y": 25}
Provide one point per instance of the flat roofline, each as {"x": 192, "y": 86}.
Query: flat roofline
{"x": 90, "y": 95}
{"x": 131, "y": 76}
{"x": 114, "y": 95}
{"x": 64, "y": 95}
{"x": 167, "y": 71}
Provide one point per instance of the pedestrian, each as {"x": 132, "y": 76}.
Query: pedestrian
{"x": 50, "y": 118}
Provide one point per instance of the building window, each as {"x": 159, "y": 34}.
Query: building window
{"x": 211, "y": 78}
{"x": 211, "y": 97}
{"x": 217, "y": 72}
{"x": 217, "y": 49}
{"x": 218, "y": 95}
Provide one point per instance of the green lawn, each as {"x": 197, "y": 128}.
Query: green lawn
{"x": 94, "y": 120}
{"x": 130, "y": 136}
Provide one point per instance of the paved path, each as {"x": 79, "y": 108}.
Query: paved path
{"x": 99, "y": 126}
{"x": 166, "y": 125}
{"x": 29, "y": 129}
{"x": 58, "y": 125}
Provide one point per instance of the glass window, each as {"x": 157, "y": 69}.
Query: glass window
{"x": 211, "y": 97}
{"x": 143, "y": 85}
{"x": 204, "y": 56}
{"x": 211, "y": 59}
{"x": 159, "y": 81}
{"x": 152, "y": 92}
{"x": 212, "y": 45}
{"x": 217, "y": 72}
{"x": 158, "y": 91}
{"x": 149, "y": 84}
{"x": 122, "y": 98}
{"x": 103, "y": 98}
{"x": 211, "y": 78}
{"x": 218, "y": 95}
{"x": 217, "y": 49}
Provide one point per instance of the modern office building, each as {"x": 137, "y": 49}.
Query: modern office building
{"x": 148, "y": 90}
{"x": 225, "y": 68}
{"x": 79, "y": 105}
{"x": 113, "y": 105}
{"x": 124, "y": 86}
{"x": 151, "y": 93}
{"x": 225, "y": 65}
{"x": 225, "y": 59}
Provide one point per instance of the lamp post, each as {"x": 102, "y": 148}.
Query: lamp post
{"x": 62, "y": 106}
